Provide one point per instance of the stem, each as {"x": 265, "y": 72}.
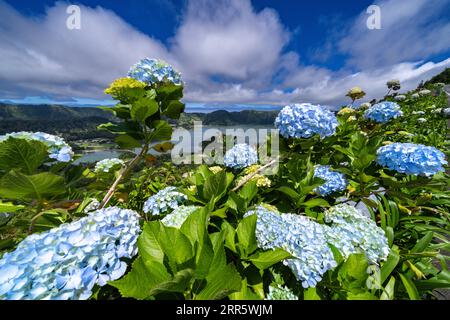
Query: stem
{"x": 122, "y": 174}
{"x": 249, "y": 177}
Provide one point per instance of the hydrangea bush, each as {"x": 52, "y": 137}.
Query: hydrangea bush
{"x": 222, "y": 232}
{"x": 306, "y": 120}
{"x": 351, "y": 232}
{"x": 107, "y": 164}
{"x": 178, "y": 216}
{"x": 152, "y": 71}
{"x": 299, "y": 236}
{"x": 240, "y": 156}
{"x": 334, "y": 181}
{"x": 66, "y": 262}
{"x": 409, "y": 158}
{"x": 164, "y": 201}
{"x": 383, "y": 112}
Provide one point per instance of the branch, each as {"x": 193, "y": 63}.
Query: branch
{"x": 249, "y": 177}
{"x": 122, "y": 174}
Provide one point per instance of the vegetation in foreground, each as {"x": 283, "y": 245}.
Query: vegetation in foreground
{"x": 357, "y": 210}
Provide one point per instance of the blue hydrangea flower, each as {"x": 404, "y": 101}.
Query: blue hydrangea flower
{"x": 240, "y": 156}
{"x": 306, "y": 120}
{"x": 165, "y": 200}
{"x": 280, "y": 293}
{"x": 66, "y": 262}
{"x": 58, "y": 149}
{"x": 153, "y": 71}
{"x": 178, "y": 216}
{"x": 107, "y": 164}
{"x": 410, "y": 158}
{"x": 353, "y": 232}
{"x": 334, "y": 181}
{"x": 303, "y": 238}
{"x": 383, "y": 112}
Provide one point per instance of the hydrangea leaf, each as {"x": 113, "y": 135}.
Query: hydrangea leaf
{"x": 264, "y": 260}
{"x": 144, "y": 108}
{"x": 246, "y": 234}
{"x": 22, "y": 154}
{"x": 222, "y": 279}
{"x": 141, "y": 279}
{"x": 15, "y": 185}
{"x": 216, "y": 186}
{"x": 162, "y": 131}
{"x": 126, "y": 141}
{"x": 178, "y": 283}
{"x": 353, "y": 272}
{"x": 174, "y": 109}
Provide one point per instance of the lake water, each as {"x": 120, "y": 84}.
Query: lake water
{"x": 184, "y": 137}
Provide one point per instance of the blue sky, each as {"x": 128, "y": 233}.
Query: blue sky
{"x": 231, "y": 52}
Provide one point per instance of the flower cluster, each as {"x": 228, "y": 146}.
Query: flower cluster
{"x": 215, "y": 169}
{"x": 261, "y": 180}
{"x": 353, "y": 232}
{"x": 164, "y": 200}
{"x": 240, "y": 156}
{"x": 66, "y": 262}
{"x": 107, "y": 164}
{"x": 280, "y": 293}
{"x": 346, "y": 111}
{"x": 424, "y": 92}
{"x": 334, "y": 181}
{"x": 410, "y": 158}
{"x": 303, "y": 238}
{"x": 178, "y": 216}
{"x": 400, "y": 97}
{"x": 152, "y": 71}
{"x": 383, "y": 112}
{"x": 57, "y": 148}
{"x": 120, "y": 88}
{"x": 305, "y": 120}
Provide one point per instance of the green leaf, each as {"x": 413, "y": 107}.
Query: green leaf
{"x": 220, "y": 283}
{"x": 178, "y": 283}
{"x": 318, "y": 202}
{"x": 410, "y": 287}
{"x": 10, "y": 207}
{"x": 423, "y": 243}
{"x": 15, "y": 185}
{"x": 311, "y": 294}
{"x": 264, "y": 260}
{"x": 215, "y": 186}
{"x": 353, "y": 272}
{"x": 249, "y": 191}
{"x": 126, "y": 141}
{"x": 143, "y": 108}
{"x": 389, "y": 265}
{"x": 141, "y": 279}
{"x": 389, "y": 290}
{"x": 230, "y": 236}
{"x": 162, "y": 131}
{"x": 246, "y": 234}
{"x": 174, "y": 109}
{"x": 289, "y": 192}
{"x": 175, "y": 245}
{"x": 22, "y": 154}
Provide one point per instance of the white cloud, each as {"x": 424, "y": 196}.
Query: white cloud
{"x": 410, "y": 30}
{"x": 226, "y": 50}
{"x": 42, "y": 57}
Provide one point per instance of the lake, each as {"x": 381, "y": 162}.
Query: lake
{"x": 196, "y": 136}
